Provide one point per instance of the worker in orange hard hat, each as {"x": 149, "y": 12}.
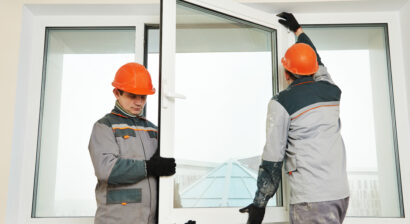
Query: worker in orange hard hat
{"x": 123, "y": 149}
{"x": 303, "y": 130}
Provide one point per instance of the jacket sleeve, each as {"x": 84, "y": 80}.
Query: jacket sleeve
{"x": 108, "y": 166}
{"x": 303, "y": 38}
{"x": 269, "y": 177}
{"x": 270, "y": 171}
{"x": 277, "y": 126}
{"x": 322, "y": 74}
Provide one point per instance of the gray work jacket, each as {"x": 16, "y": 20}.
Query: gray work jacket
{"x": 303, "y": 130}
{"x": 118, "y": 146}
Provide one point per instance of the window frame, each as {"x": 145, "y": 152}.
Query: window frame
{"x": 36, "y": 21}
{"x": 167, "y": 212}
{"x": 43, "y": 86}
{"x": 385, "y": 28}
{"x": 29, "y": 88}
{"x": 397, "y": 78}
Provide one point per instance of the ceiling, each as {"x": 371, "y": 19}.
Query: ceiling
{"x": 321, "y": 6}
{"x": 151, "y": 7}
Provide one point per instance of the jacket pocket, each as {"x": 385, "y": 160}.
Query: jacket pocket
{"x": 124, "y": 133}
{"x": 124, "y": 196}
{"x": 126, "y": 141}
{"x": 290, "y": 163}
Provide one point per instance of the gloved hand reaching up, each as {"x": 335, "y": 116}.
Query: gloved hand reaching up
{"x": 289, "y": 21}
{"x": 256, "y": 214}
{"x": 160, "y": 166}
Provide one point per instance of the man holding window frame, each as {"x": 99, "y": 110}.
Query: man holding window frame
{"x": 123, "y": 149}
{"x": 303, "y": 129}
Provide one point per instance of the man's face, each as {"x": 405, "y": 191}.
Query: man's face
{"x": 133, "y": 104}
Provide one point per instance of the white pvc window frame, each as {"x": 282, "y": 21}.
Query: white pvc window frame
{"x": 399, "y": 95}
{"x": 167, "y": 212}
{"x": 29, "y": 88}
{"x": 35, "y": 22}
{"x": 391, "y": 106}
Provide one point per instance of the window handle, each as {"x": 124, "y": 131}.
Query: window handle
{"x": 173, "y": 96}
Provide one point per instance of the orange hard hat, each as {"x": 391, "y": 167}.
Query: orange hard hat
{"x": 300, "y": 59}
{"x": 134, "y": 78}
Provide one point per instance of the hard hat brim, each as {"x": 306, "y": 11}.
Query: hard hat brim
{"x": 133, "y": 90}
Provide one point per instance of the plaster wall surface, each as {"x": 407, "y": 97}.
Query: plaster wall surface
{"x": 405, "y": 29}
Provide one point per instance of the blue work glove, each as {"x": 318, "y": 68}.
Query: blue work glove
{"x": 256, "y": 214}
{"x": 289, "y": 21}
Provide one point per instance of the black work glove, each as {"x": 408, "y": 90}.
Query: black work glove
{"x": 160, "y": 166}
{"x": 256, "y": 214}
{"x": 191, "y": 222}
{"x": 289, "y": 21}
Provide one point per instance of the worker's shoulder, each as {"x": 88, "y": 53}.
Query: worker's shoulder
{"x": 310, "y": 89}
{"x": 152, "y": 125}
{"x": 112, "y": 119}
{"x": 142, "y": 121}
{"x": 296, "y": 97}
{"x": 287, "y": 95}
{"x": 286, "y": 98}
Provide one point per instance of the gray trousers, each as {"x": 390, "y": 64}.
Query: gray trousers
{"x": 325, "y": 212}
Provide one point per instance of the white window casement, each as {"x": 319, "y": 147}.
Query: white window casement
{"x": 215, "y": 64}
{"x": 357, "y": 58}
{"x": 225, "y": 55}
{"x": 69, "y": 57}
{"x": 379, "y": 77}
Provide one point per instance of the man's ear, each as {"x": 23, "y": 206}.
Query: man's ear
{"x": 287, "y": 76}
{"x": 116, "y": 93}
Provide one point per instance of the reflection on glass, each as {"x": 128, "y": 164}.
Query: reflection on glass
{"x": 224, "y": 68}
{"x": 80, "y": 68}
{"x": 356, "y": 59}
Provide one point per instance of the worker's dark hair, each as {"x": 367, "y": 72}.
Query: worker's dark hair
{"x": 294, "y": 76}
{"x": 122, "y": 92}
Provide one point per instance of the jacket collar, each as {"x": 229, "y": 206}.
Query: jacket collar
{"x": 302, "y": 80}
{"x": 119, "y": 111}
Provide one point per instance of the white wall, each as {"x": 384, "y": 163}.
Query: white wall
{"x": 10, "y": 26}
{"x": 405, "y": 29}
{"x": 10, "y": 19}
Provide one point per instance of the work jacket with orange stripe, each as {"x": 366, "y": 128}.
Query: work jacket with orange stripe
{"x": 303, "y": 130}
{"x": 119, "y": 145}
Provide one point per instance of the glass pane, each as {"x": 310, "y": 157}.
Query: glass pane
{"x": 152, "y": 64}
{"x": 224, "y": 66}
{"x": 81, "y": 64}
{"x": 357, "y": 59}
